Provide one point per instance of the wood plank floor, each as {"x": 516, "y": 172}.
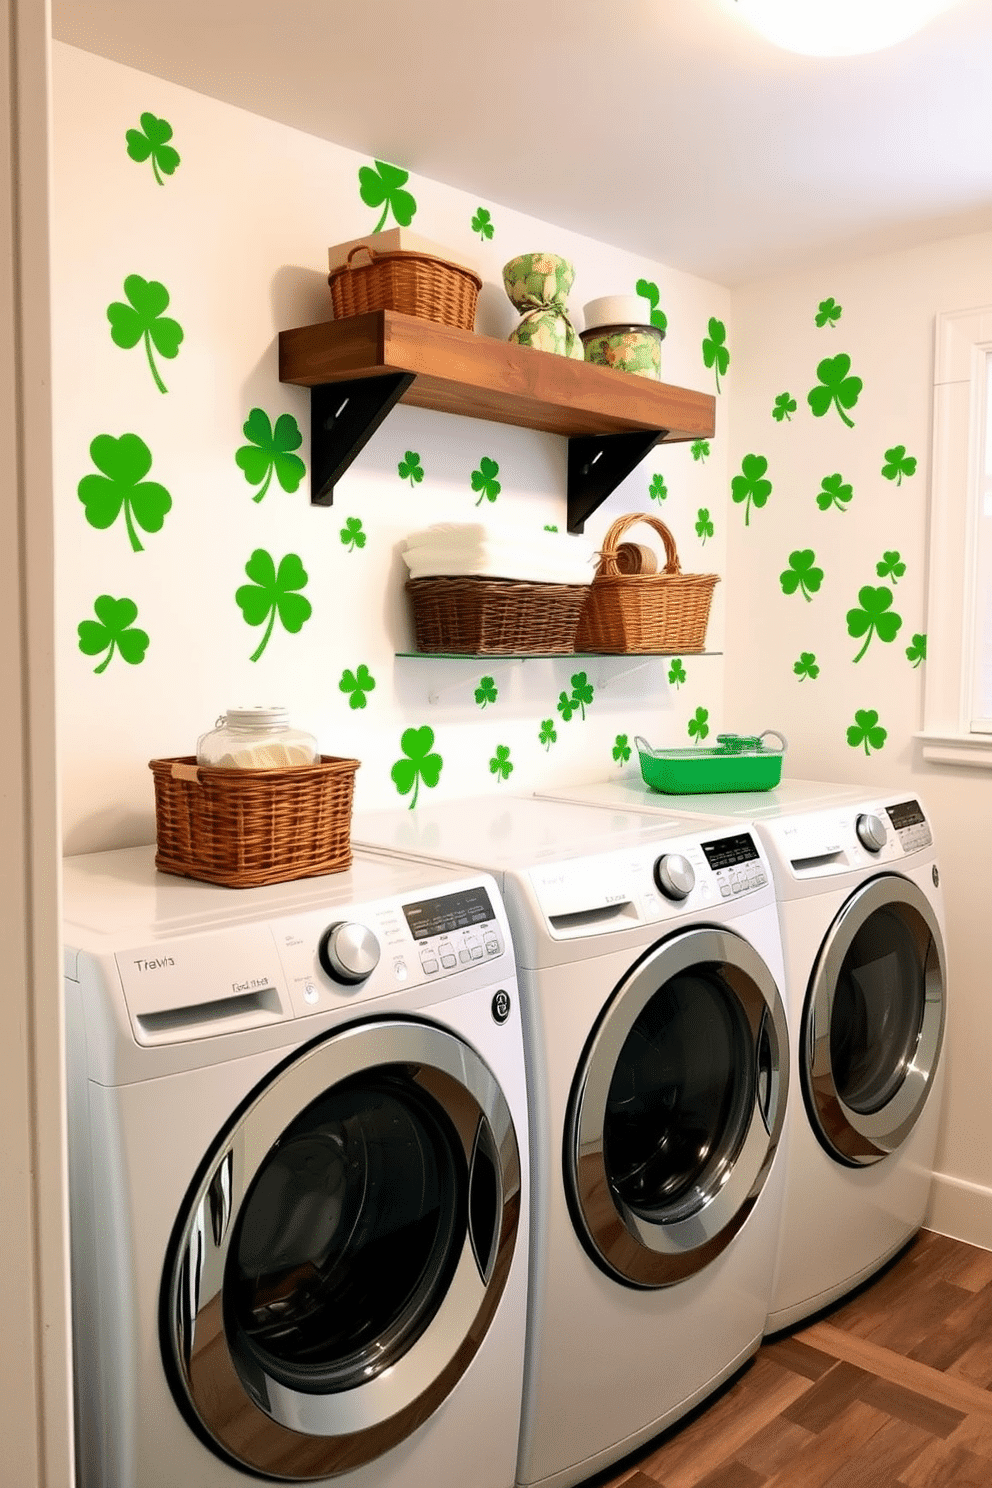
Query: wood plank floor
{"x": 891, "y": 1388}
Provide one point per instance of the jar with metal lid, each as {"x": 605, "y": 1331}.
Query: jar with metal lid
{"x": 256, "y": 739}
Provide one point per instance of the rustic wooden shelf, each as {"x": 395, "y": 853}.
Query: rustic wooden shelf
{"x": 358, "y": 369}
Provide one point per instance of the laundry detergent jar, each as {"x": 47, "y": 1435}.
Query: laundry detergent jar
{"x": 256, "y": 739}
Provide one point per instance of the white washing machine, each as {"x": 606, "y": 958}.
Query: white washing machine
{"x": 649, "y": 968}
{"x": 298, "y": 1178}
{"x": 862, "y": 917}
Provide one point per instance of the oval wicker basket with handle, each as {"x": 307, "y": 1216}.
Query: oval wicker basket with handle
{"x": 412, "y": 283}
{"x": 630, "y": 612}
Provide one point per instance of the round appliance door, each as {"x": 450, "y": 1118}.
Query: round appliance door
{"x": 873, "y": 1022}
{"x": 677, "y": 1108}
{"x": 338, "y": 1265}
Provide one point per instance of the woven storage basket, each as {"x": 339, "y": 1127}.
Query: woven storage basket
{"x": 243, "y": 828}
{"x": 666, "y": 611}
{"x": 413, "y": 283}
{"x": 494, "y": 616}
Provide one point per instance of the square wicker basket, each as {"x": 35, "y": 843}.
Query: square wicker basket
{"x": 413, "y": 283}
{"x": 493, "y": 617}
{"x": 244, "y": 828}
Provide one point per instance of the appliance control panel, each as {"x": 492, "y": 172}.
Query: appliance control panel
{"x": 453, "y": 930}
{"x": 736, "y": 864}
{"x": 910, "y": 825}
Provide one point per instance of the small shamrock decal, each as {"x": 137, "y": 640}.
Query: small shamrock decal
{"x": 704, "y": 524}
{"x": 352, "y": 534}
{"x": 750, "y": 486}
{"x": 621, "y": 750}
{"x": 550, "y": 527}
{"x": 270, "y": 452}
{"x": 806, "y": 666}
{"x": 273, "y": 593}
{"x": 113, "y": 631}
{"x": 500, "y": 764}
{"x": 482, "y": 223}
{"x": 834, "y": 492}
{"x": 699, "y": 726}
{"x": 865, "y": 730}
{"x": 715, "y": 353}
{"x": 801, "y": 574}
{"x": 875, "y": 617}
{"x": 828, "y": 313}
{"x": 548, "y": 735}
{"x": 121, "y": 487}
{"x": 917, "y": 652}
{"x": 486, "y": 691}
{"x": 657, "y": 490}
{"x": 357, "y": 685}
{"x": 410, "y": 468}
{"x": 891, "y": 567}
{"x": 785, "y": 407}
{"x": 700, "y": 449}
{"x": 151, "y": 141}
{"x": 652, "y": 294}
{"x": 484, "y": 480}
{"x": 676, "y": 673}
{"x": 898, "y": 463}
{"x": 836, "y": 388}
{"x": 141, "y": 319}
{"x": 383, "y": 187}
{"x": 419, "y": 765}
{"x": 579, "y": 699}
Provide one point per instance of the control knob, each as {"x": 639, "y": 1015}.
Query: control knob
{"x": 348, "y": 952}
{"x": 871, "y": 831}
{"x": 674, "y": 876}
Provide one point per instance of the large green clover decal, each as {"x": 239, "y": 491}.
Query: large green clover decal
{"x": 124, "y": 463}
{"x": 274, "y": 593}
{"x": 715, "y": 353}
{"x": 500, "y": 765}
{"x": 801, "y": 574}
{"x": 750, "y": 486}
{"x": 836, "y": 388}
{"x": 269, "y": 452}
{"x": 834, "y": 491}
{"x": 898, "y": 463}
{"x": 865, "y": 730}
{"x": 151, "y": 141}
{"x": 383, "y": 187}
{"x": 357, "y": 685}
{"x": 419, "y": 765}
{"x": 141, "y": 319}
{"x": 484, "y": 480}
{"x": 113, "y": 631}
{"x": 875, "y": 617}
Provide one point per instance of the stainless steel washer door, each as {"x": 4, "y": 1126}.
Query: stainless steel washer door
{"x": 339, "y": 1263}
{"x": 873, "y": 1023}
{"x": 677, "y": 1108}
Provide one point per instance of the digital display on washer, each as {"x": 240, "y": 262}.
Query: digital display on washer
{"x": 906, "y": 814}
{"x": 730, "y": 850}
{"x": 448, "y": 912}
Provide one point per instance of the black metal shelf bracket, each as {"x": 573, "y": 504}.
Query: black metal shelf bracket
{"x": 343, "y": 418}
{"x": 597, "y": 463}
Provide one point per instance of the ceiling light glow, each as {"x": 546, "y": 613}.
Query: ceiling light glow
{"x": 838, "y": 28}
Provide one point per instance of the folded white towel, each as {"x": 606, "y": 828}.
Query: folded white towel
{"x": 425, "y": 564}
{"x": 507, "y": 552}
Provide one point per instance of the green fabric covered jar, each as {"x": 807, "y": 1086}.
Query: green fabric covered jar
{"x": 538, "y": 285}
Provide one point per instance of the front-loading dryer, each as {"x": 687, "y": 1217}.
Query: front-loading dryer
{"x": 298, "y": 1178}
{"x": 649, "y": 967}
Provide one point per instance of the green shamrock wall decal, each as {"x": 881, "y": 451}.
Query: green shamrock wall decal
{"x": 274, "y": 593}
{"x": 801, "y": 574}
{"x": 548, "y": 735}
{"x": 898, "y": 463}
{"x": 698, "y": 726}
{"x": 352, "y": 535}
{"x": 382, "y": 186}
{"x": 704, "y": 524}
{"x": 806, "y": 666}
{"x": 420, "y": 764}
{"x": 500, "y": 765}
{"x": 486, "y": 692}
{"x": 865, "y": 731}
{"x": 141, "y": 319}
{"x": 124, "y": 463}
{"x": 917, "y": 652}
{"x": 482, "y": 223}
{"x": 484, "y": 480}
{"x": 700, "y": 449}
{"x": 875, "y": 617}
{"x": 835, "y": 389}
{"x": 269, "y": 452}
{"x": 715, "y": 353}
{"x": 357, "y": 685}
{"x": 621, "y": 750}
{"x": 891, "y": 567}
{"x": 828, "y": 313}
{"x": 650, "y": 292}
{"x": 578, "y": 700}
{"x": 785, "y": 407}
{"x": 750, "y": 486}
{"x": 113, "y": 631}
{"x": 657, "y": 490}
{"x": 410, "y": 468}
{"x": 676, "y": 673}
{"x": 834, "y": 492}
{"x": 151, "y": 142}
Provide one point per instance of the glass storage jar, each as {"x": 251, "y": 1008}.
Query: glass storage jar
{"x": 256, "y": 739}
